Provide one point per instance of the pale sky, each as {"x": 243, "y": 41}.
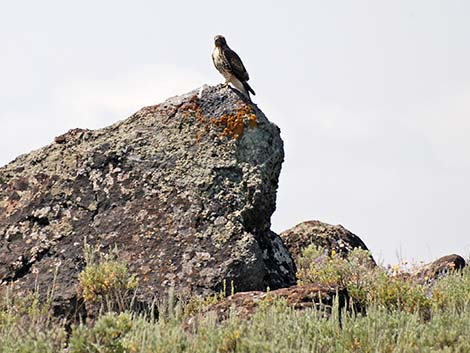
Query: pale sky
{"x": 372, "y": 98}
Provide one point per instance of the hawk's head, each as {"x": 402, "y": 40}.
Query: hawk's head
{"x": 219, "y": 40}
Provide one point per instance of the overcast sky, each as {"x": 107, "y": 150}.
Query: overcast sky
{"x": 372, "y": 97}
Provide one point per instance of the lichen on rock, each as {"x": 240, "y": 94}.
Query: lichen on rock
{"x": 326, "y": 236}
{"x": 186, "y": 209}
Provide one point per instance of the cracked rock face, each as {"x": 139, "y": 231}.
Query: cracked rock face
{"x": 185, "y": 189}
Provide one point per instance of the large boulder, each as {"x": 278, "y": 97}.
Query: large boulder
{"x": 323, "y": 235}
{"x": 185, "y": 190}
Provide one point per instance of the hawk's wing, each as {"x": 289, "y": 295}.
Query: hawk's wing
{"x": 236, "y": 65}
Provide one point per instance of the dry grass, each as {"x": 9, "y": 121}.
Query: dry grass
{"x": 394, "y": 321}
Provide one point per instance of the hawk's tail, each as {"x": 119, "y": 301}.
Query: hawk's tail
{"x": 248, "y": 88}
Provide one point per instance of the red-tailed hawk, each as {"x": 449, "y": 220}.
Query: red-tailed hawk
{"x": 229, "y": 64}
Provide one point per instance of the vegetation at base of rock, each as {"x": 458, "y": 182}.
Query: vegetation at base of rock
{"x": 366, "y": 284}
{"x": 26, "y": 325}
{"x": 278, "y": 328}
{"x": 106, "y": 336}
{"x": 452, "y": 292}
{"x": 105, "y": 279}
{"x": 198, "y": 303}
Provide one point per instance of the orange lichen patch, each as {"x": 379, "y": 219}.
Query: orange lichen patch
{"x": 234, "y": 124}
{"x": 192, "y": 108}
{"x": 252, "y": 121}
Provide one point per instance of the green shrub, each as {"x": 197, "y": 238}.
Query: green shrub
{"x": 366, "y": 284}
{"x": 394, "y": 320}
{"x": 279, "y": 328}
{"x": 275, "y": 327}
{"x": 105, "y": 336}
{"x": 27, "y": 325}
{"x": 106, "y": 280}
{"x": 399, "y": 293}
{"x": 452, "y": 291}
{"x": 197, "y": 303}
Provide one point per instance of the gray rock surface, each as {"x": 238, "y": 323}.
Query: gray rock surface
{"x": 327, "y": 236}
{"x": 185, "y": 189}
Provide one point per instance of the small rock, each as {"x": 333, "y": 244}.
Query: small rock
{"x": 330, "y": 237}
{"x": 245, "y": 304}
{"x": 440, "y": 267}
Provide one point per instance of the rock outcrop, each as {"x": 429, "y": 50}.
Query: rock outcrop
{"x": 323, "y": 235}
{"x": 185, "y": 189}
{"x": 311, "y": 296}
{"x": 440, "y": 268}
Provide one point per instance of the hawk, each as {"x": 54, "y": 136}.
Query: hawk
{"x": 229, "y": 64}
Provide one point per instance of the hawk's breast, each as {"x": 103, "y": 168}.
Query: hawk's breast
{"x": 221, "y": 63}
